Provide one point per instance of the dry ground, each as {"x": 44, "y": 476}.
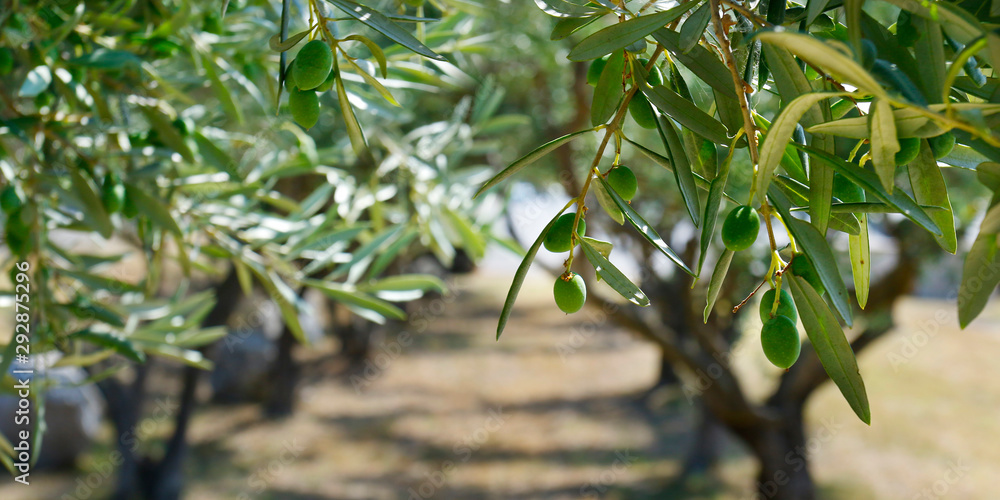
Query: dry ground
{"x": 551, "y": 412}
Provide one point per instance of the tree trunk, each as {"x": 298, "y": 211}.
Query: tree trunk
{"x": 780, "y": 449}
{"x": 706, "y": 449}
{"x": 284, "y": 378}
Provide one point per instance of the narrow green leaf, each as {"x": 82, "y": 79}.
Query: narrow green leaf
{"x": 613, "y": 277}
{"x": 275, "y": 43}
{"x": 354, "y": 132}
{"x": 861, "y": 261}
{"x": 348, "y": 294}
{"x": 152, "y": 208}
{"x": 981, "y": 272}
{"x": 569, "y": 25}
{"x": 831, "y": 346}
{"x": 824, "y": 56}
{"x": 686, "y": 113}
{"x": 608, "y": 204}
{"x": 608, "y": 93}
{"x": 799, "y": 194}
{"x": 121, "y": 345}
{"x": 870, "y": 182}
{"x": 644, "y": 228}
{"x": 694, "y": 27}
{"x": 712, "y": 209}
{"x": 929, "y": 50}
{"x": 528, "y": 159}
{"x": 93, "y": 209}
{"x": 406, "y": 282}
{"x": 814, "y": 244}
{"x": 778, "y": 136}
{"x": 884, "y": 144}
{"x": 375, "y": 50}
{"x": 378, "y": 22}
{"x": 814, "y": 9}
{"x": 370, "y": 80}
{"x": 704, "y": 63}
{"x": 620, "y": 35}
{"x": 929, "y": 188}
{"x": 602, "y": 247}
{"x": 820, "y": 195}
{"x": 289, "y": 303}
{"x": 718, "y": 277}
{"x": 519, "y": 275}
{"x": 565, "y": 9}
{"x": 682, "y": 168}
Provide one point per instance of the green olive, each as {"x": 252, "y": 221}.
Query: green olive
{"x": 623, "y": 181}
{"x": 558, "y": 239}
{"x": 304, "y": 105}
{"x": 802, "y": 266}
{"x": 740, "y": 228}
{"x": 786, "y": 306}
{"x": 595, "y": 69}
{"x": 642, "y": 112}
{"x": 909, "y": 148}
{"x": 570, "y": 293}
{"x": 312, "y": 65}
{"x": 942, "y": 145}
{"x": 780, "y": 340}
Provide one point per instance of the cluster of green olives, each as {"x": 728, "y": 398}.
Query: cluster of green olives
{"x": 569, "y": 290}
{"x": 779, "y": 337}
{"x": 309, "y": 73}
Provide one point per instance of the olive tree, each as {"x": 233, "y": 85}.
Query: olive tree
{"x": 154, "y": 127}
{"x": 824, "y": 110}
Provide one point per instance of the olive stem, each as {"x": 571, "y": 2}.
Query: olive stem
{"x": 738, "y": 84}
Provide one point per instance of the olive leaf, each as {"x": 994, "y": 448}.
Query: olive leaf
{"x": 831, "y": 346}
{"x": 521, "y": 273}
{"x": 528, "y": 159}
{"x": 608, "y": 93}
{"x": 929, "y": 188}
{"x": 718, "y": 277}
{"x": 620, "y": 35}
{"x": 613, "y": 277}
{"x": 826, "y": 57}
{"x": 883, "y": 142}
{"x": 378, "y": 22}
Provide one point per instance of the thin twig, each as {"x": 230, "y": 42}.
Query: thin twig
{"x": 738, "y": 83}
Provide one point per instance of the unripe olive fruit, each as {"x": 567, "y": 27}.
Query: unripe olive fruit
{"x": 290, "y": 77}
{"x": 847, "y": 191}
{"x": 803, "y": 267}
{"x": 595, "y": 70}
{"x": 740, "y": 228}
{"x": 942, "y": 145}
{"x": 641, "y": 111}
{"x": 908, "y": 150}
{"x": 10, "y": 202}
{"x": 112, "y": 194}
{"x": 6, "y": 60}
{"x": 655, "y": 74}
{"x": 558, "y": 238}
{"x": 312, "y": 65}
{"x": 304, "y": 105}
{"x": 780, "y": 340}
{"x": 328, "y": 83}
{"x": 786, "y": 306}
{"x": 623, "y": 181}
{"x": 570, "y": 293}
